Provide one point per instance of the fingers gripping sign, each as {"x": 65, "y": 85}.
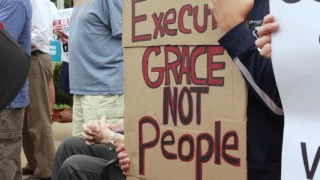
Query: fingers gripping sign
{"x": 264, "y": 35}
{"x": 123, "y": 159}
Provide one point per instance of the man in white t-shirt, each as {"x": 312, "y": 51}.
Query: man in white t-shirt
{"x": 55, "y": 14}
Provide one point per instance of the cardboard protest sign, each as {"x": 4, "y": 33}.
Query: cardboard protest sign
{"x": 296, "y": 51}
{"x": 185, "y": 100}
{"x": 150, "y": 23}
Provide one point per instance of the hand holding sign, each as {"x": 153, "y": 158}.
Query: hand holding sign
{"x": 57, "y": 29}
{"x": 124, "y": 161}
{"x": 230, "y": 13}
{"x": 264, "y": 33}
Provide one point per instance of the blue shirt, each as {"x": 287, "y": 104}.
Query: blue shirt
{"x": 95, "y": 48}
{"x": 16, "y": 17}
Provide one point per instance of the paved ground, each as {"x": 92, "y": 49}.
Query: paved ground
{"x": 23, "y": 162}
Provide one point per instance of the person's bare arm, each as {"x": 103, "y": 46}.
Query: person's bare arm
{"x": 117, "y": 127}
{"x": 118, "y": 140}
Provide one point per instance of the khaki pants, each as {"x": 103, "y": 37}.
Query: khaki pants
{"x": 38, "y": 143}
{"x": 86, "y": 108}
{"x": 11, "y": 121}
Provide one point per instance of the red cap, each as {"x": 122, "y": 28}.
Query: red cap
{"x": 1, "y": 25}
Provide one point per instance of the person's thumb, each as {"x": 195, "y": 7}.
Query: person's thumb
{"x": 110, "y": 126}
{"x": 103, "y": 118}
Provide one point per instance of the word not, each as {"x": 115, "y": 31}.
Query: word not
{"x": 171, "y": 17}
{"x": 217, "y": 145}
{"x": 310, "y": 173}
{"x": 184, "y": 64}
{"x": 172, "y": 103}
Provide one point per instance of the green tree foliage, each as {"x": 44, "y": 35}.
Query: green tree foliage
{"x": 66, "y": 3}
{"x": 61, "y": 97}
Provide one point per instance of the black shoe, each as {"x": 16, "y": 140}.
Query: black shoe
{"x": 26, "y": 171}
{"x": 33, "y": 177}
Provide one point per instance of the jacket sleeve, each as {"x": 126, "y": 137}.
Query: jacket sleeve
{"x": 257, "y": 70}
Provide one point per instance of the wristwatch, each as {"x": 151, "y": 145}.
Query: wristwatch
{"x": 111, "y": 140}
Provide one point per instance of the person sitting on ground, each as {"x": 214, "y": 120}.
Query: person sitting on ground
{"x": 90, "y": 153}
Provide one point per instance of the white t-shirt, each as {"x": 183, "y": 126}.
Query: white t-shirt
{"x": 55, "y": 14}
{"x": 41, "y": 30}
{"x": 54, "y": 10}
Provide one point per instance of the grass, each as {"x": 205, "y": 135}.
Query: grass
{"x": 61, "y": 106}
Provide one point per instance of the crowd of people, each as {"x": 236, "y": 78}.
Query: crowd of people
{"x": 94, "y": 75}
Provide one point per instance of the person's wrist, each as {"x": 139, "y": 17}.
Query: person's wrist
{"x": 106, "y": 136}
{"x": 228, "y": 25}
{"x": 118, "y": 140}
{"x": 112, "y": 127}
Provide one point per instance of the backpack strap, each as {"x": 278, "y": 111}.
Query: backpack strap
{"x": 113, "y": 170}
{"x": 112, "y": 163}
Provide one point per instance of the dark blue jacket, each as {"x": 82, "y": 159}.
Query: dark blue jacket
{"x": 265, "y": 116}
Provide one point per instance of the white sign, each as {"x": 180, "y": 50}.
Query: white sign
{"x": 296, "y": 62}
{"x": 64, "y": 19}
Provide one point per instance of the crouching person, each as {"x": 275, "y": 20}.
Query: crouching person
{"x": 86, "y": 158}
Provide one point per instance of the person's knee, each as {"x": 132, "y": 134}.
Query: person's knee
{"x": 71, "y": 165}
{"x": 74, "y": 162}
